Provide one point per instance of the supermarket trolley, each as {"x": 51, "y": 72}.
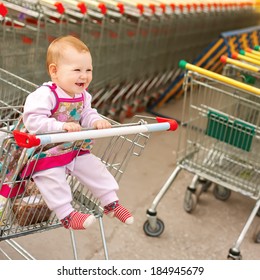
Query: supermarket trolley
{"x": 249, "y": 74}
{"x": 241, "y": 71}
{"x": 22, "y": 208}
{"x": 219, "y": 143}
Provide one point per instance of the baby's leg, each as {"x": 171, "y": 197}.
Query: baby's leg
{"x": 115, "y": 209}
{"x": 93, "y": 174}
{"x": 56, "y": 193}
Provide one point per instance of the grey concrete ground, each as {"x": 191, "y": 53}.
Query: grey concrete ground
{"x": 206, "y": 234}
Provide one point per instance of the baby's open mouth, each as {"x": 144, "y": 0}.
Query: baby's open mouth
{"x": 80, "y": 84}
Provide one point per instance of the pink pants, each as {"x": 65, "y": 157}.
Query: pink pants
{"x": 90, "y": 172}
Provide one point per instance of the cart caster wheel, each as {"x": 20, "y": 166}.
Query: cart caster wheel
{"x": 221, "y": 193}
{"x": 190, "y": 200}
{"x": 154, "y": 232}
{"x": 234, "y": 254}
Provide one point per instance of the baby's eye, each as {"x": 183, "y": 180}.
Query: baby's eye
{"x": 89, "y": 70}
{"x": 77, "y": 70}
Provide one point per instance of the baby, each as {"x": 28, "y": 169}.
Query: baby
{"x": 64, "y": 104}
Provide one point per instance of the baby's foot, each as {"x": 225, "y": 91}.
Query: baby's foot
{"x": 115, "y": 209}
{"x": 76, "y": 220}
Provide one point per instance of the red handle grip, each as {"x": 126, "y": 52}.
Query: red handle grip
{"x": 26, "y": 140}
{"x": 173, "y": 123}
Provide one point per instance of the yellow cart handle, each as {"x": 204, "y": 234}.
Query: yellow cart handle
{"x": 248, "y": 54}
{"x": 253, "y": 51}
{"x": 236, "y": 55}
{"x": 185, "y": 65}
{"x": 239, "y": 63}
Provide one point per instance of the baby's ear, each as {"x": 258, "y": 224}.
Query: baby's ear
{"x": 52, "y": 70}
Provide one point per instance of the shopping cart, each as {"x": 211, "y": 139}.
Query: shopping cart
{"x": 246, "y": 59}
{"x": 249, "y": 74}
{"x": 219, "y": 143}
{"x": 22, "y": 208}
{"x": 241, "y": 71}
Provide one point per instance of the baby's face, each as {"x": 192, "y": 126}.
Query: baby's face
{"x": 73, "y": 71}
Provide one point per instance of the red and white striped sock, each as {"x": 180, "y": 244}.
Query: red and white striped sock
{"x": 76, "y": 220}
{"x": 115, "y": 209}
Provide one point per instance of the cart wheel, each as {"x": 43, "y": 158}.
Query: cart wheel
{"x": 221, "y": 193}
{"x": 234, "y": 254}
{"x": 151, "y": 232}
{"x": 190, "y": 200}
{"x": 236, "y": 258}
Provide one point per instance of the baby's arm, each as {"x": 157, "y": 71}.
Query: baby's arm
{"x": 37, "y": 112}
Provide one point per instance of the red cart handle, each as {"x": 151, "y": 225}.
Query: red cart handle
{"x": 173, "y": 123}
{"x": 26, "y": 140}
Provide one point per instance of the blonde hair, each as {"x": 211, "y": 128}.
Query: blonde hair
{"x": 57, "y": 46}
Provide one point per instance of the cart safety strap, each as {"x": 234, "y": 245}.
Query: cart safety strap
{"x": 12, "y": 191}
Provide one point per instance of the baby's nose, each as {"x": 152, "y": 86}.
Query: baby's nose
{"x": 83, "y": 75}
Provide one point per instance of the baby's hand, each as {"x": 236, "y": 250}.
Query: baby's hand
{"x": 100, "y": 124}
{"x": 71, "y": 127}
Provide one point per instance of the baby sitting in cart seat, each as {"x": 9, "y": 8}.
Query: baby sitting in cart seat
{"x": 64, "y": 104}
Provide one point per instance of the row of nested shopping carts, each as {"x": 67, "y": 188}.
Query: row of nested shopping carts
{"x": 22, "y": 208}
{"x": 136, "y": 45}
{"x": 219, "y": 138}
